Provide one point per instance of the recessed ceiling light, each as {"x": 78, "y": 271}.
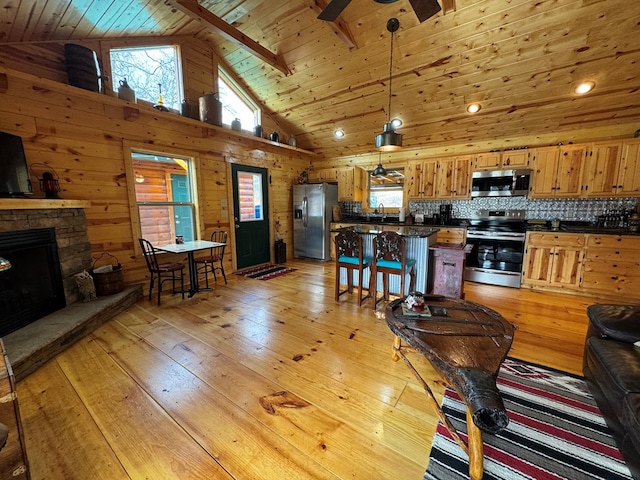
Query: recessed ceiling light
{"x": 474, "y": 108}
{"x": 396, "y": 123}
{"x": 584, "y": 87}
{"x": 338, "y": 133}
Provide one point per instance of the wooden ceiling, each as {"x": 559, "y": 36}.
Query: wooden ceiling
{"x": 520, "y": 59}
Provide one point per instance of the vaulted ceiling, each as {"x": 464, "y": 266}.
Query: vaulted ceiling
{"x": 520, "y": 59}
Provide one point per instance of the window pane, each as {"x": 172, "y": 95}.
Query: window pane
{"x": 250, "y": 196}
{"x": 147, "y": 70}
{"x": 164, "y": 196}
{"x": 387, "y": 189}
{"x": 388, "y": 198}
{"x": 233, "y": 106}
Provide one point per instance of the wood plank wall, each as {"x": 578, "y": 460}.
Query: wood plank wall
{"x": 84, "y": 137}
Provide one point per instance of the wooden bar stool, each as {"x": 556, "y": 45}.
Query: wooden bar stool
{"x": 349, "y": 255}
{"x": 390, "y": 257}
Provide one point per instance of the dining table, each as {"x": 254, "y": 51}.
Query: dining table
{"x": 190, "y": 247}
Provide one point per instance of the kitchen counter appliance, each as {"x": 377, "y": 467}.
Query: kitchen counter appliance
{"x": 312, "y": 213}
{"x": 500, "y": 183}
{"x": 497, "y": 237}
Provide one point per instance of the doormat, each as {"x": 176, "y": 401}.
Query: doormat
{"x": 265, "y": 272}
{"x": 555, "y": 431}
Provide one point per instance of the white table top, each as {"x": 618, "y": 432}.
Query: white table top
{"x": 188, "y": 246}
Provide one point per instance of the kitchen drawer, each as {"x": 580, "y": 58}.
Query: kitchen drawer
{"x": 556, "y": 239}
{"x": 614, "y": 242}
{"x": 451, "y": 235}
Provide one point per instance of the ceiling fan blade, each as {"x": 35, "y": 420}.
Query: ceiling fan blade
{"x": 425, "y": 8}
{"x": 331, "y": 11}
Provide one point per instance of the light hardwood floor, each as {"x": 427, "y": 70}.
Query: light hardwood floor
{"x": 258, "y": 380}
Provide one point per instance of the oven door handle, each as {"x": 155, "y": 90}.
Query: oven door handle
{"x": 493, "y": 236}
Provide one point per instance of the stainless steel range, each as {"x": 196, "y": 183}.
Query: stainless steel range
{"x": 498, "y": 238}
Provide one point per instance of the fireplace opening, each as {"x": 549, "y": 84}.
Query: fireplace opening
{"x": 32, "y": 287}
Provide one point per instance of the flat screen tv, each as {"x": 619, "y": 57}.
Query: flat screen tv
{"x": 14, "y": 172}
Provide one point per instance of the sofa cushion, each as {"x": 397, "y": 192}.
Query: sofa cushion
{"x": 620, "y": 322}
{"x": 615, "y": 366}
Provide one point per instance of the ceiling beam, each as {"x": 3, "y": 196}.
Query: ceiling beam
{"x": 192, "y": 9}
{"x": 448, "y": 6}
{"x": 338, "y": 26}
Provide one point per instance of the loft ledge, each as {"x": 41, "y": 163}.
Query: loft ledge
{"x": 41, "y": 203}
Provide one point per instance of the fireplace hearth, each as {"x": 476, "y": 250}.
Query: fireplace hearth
{"x": 32, "y": 287}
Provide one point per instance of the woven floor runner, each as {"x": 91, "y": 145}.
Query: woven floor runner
{"x": 265, "y": 272}
{"x": 555, "y": 432}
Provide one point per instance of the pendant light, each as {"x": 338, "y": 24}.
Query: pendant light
{"x": 389, "y": 140}
{"x": 379, "y": 170}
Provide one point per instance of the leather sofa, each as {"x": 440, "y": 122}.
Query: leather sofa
{"x": 611, "y": 368}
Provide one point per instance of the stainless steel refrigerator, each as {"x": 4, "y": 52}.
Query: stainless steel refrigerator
{"x": 312, "y": 207}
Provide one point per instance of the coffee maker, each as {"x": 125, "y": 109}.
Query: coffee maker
{"x": 445, "y": 214}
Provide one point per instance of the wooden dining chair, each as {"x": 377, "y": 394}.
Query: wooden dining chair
{"x": 164, "y": 272}
{"x": 349, "y": 255}
{"x": 214, "y": 260}
{"x": 390, "y": 258}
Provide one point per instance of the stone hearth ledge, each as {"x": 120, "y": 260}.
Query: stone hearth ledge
{"x": 35, "y": 344}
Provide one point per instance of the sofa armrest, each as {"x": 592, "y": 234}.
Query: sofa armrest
{"x": 620, "y": 322}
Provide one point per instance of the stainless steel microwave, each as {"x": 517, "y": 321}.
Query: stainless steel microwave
{"x": 500, "y": 183}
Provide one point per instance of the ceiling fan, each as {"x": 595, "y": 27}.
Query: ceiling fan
{"x": 424, "y": 9}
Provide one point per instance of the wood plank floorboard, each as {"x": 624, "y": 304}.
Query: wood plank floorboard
{"x": 259, "y": 380}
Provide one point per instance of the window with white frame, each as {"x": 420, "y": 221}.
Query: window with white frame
{"x": 387, "y": 189}
{"x": 164, "y": 197}
{"x": 236, "y": 103}
{"x": 150, "y": 72}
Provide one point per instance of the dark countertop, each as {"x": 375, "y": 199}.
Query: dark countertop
{"x": 404, "y": 230}
{"x": 582, "y": 228}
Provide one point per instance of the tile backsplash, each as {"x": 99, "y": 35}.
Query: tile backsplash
{"x": 566, "y": 209}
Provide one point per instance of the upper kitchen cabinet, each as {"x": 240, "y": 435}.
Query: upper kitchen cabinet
{"x": 629, "y": 172}
{"x": 557, "y": 171}
{"x": 420, "y": 179}
{"x": 515, "y": 158}
{"x": 487, "y": 161}
{"x": 352, "y": 184}
{"x": 612, "y": 169}
{"x": 322, "y": 175}
{"x": 502, "y": 160}
{"x": 601, "y": 169}
{"x": 453, "y": 178}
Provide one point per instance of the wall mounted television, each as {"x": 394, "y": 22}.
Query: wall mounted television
{"x": 14, "y": 172}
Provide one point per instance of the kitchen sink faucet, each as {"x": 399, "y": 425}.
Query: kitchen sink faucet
{"x": 381, "y": 207}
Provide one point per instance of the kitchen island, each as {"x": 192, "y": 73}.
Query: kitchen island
{"x": 418, "y": 240}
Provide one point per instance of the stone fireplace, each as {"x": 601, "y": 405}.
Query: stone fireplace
{"x": 70, "y": 226}
{"x": 32, "y": 345}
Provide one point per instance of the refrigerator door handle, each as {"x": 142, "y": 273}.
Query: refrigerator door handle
{"x": 305, "y": 212}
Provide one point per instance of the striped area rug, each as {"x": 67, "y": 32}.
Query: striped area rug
{"x": 555, "y": 432}
{"x": 265, "y": 272}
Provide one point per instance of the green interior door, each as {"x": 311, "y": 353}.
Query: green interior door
{"x": 251, "y": 215}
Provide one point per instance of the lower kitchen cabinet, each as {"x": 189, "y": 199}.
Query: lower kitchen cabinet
{"x": 612, "y": 265}
{"x": 553, "y": 259}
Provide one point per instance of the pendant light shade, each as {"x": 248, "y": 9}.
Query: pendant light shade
{"x": 389, "y": 140}
{"x": 379, "y": 170}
